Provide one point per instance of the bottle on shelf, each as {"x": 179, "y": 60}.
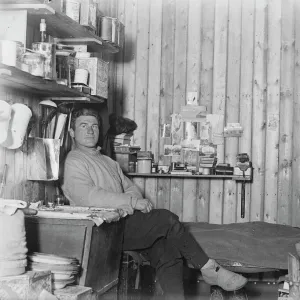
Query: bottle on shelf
{"x": 47, "y": 50}
{"x": 43, "y": 27}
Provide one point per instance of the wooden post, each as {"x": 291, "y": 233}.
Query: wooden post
{"x": 294, "y": 277}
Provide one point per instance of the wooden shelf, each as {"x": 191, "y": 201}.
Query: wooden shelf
{"x": 157, "y": 175}
{"x": 61, "y": 26}
{"x": 15, "y": 78}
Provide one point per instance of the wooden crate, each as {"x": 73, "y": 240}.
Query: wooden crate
{"x": 97, "y": 248}
{"x": 27, "y": 286}
{"x": 74, "y": 292}
{"x": 98, "y": 74}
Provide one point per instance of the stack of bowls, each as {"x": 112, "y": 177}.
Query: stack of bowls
{"x": 64, "y": 269}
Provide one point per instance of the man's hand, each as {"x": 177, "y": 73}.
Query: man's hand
{"x": 144, "y": 205}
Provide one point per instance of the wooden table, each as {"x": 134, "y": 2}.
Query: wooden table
{"x": 98, "y": 249}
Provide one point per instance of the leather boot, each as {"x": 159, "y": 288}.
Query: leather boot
{"x": 214, "y": 274}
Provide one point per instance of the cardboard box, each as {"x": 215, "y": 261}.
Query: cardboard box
{"x": 13, "y": 26}
{"x": 88, "y": 14}
{"x": 74, "y": 292}
{"x": 58, "y": 5}
{"x": 98, "y": 75}
{"x": 27, "y": 286}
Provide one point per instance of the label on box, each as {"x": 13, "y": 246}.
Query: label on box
{"x": 98, "y": 75}
{"x": 93, "y": 15}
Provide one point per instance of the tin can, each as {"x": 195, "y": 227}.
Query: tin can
{"x": 206, "y": 171}
{"x": 144, "y": 165}
{"x": 36, "y": 62}
{"x": 47, "y": 49}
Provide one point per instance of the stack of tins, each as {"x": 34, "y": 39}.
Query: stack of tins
{"x": 13, "y": 258}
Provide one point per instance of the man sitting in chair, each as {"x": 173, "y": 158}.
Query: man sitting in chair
{"x": 93, "y": 179}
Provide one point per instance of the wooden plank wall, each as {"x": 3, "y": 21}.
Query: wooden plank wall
{"x": 242, "y": 58}
{"x": 17, "y": 187}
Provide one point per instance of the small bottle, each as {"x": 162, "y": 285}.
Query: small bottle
{"x": 59, "y": 200}
{"x": 43, "y": 30}
{"x": 131, "y": 167}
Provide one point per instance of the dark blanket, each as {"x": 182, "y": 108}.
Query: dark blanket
{"x": 253, "y": 243}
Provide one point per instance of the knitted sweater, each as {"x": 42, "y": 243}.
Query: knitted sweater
{"x": 93, "y": 179}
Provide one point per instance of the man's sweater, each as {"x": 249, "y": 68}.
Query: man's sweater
{"x": 93, "y": 179}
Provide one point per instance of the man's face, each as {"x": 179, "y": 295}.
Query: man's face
{"x": 86, "y": 131}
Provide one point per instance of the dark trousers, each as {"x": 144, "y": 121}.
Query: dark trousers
{"x": 164, "y": 241}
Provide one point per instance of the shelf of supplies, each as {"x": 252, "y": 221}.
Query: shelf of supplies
{"x": 15, "y": 78}
{"x": 92, "y": 43}
{"x": 157, "y": 175}
{"x": 61, "y": 26}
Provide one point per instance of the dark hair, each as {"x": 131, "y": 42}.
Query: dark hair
{"x": 76, "y": 113}
{"x": 119, "y": 124}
